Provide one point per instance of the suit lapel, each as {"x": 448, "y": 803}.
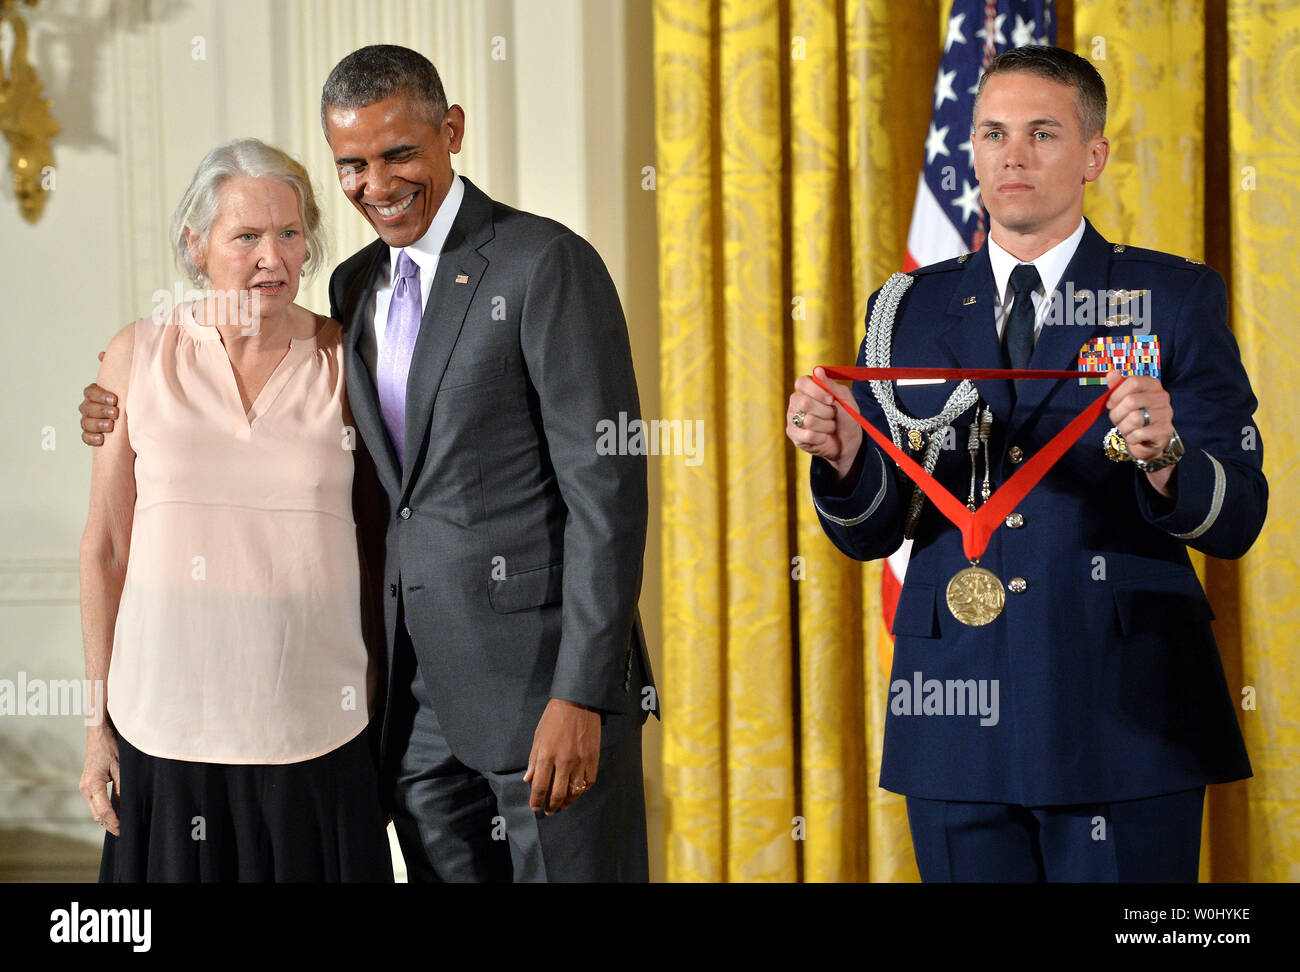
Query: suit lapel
{"x": 363, "y": 398}
{"x": 1059, "y": 341}
{"x": 972, "y": 338}
{"x": 460, "y": 269}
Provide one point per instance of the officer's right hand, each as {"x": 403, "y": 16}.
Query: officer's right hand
{"x": 827, "y": 429}
{"x": 98, "y": 411}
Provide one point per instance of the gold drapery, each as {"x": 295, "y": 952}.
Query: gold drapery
{"x": 1255, "y": 826}
{"x": 789, "y": 135}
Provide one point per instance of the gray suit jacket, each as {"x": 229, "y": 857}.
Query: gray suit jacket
{"x": 513, "y": 549}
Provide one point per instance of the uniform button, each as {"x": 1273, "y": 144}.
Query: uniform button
{"x": 1017, "y": 585}
{"x": 1015, "y": 521}
{"x": 1015, "y": 453}
{"x": 392, "y": 590}
{"x": 406, "y": 513}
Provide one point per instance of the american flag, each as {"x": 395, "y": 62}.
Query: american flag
{"x": 947, "y": 217}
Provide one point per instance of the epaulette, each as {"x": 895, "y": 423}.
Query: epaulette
{"x": 956, "y": 263}
{"x": 1124, "y": 252}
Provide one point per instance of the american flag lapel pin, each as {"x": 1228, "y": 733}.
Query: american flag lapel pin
{"x": 462, "y": 278}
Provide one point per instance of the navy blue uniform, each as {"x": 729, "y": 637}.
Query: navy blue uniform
{"x": 1110, "y": 686}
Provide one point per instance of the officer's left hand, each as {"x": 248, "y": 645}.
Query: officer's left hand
{"x": 1126, "y": 402}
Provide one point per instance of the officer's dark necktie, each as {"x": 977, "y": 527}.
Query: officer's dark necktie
{"x": 1020, "y": 324}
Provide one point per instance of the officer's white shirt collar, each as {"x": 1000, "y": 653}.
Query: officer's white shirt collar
{"x": 426, "y": 250}
{"x": 1051, "y": 265}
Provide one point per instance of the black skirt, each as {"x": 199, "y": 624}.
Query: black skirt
{"x": 318, "y": 820}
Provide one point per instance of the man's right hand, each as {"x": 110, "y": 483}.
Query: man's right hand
{"x": 826, "y": 430}
{"x": 98, "y": 411}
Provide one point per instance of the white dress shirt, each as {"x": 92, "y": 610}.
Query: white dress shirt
{"x": 425, "y": 252}
{"x": 1051, "y": 267}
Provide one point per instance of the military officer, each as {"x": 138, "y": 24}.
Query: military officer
{"x": 1069, "y": 736}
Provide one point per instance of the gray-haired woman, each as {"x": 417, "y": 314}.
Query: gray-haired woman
{"x": 221, "y": 576}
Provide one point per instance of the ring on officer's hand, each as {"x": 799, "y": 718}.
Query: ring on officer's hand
{"x": 1146, "y": 418}
{"x": 797, "y": 419}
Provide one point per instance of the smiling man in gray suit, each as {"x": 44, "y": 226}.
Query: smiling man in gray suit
{"x": 483, "y": 347}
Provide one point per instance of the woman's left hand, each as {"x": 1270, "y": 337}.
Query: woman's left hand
{"x": 101, "y": 768}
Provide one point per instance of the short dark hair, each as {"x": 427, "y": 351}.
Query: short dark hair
{"x": 1056, "y": 64}
{"x": 373, "y": 73}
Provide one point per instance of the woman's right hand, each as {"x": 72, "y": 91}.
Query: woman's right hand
{"x": 101, "y": 767}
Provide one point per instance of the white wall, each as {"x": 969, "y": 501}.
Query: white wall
{"x": 142, "y": 90}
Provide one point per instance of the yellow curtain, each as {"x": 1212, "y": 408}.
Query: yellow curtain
{"x": 1257, "y": 824}
{"x": 789, "y": 135}
{"x": 787, "y": 138}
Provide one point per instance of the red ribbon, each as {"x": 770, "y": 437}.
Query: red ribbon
{"x": 976, "y": 528}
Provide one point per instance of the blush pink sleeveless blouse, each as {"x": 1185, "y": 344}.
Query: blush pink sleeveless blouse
{"x": 238, "y": 637}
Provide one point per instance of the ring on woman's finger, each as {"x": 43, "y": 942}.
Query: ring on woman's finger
{"x": 797, "y": 419}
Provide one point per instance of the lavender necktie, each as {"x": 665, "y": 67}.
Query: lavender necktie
{"x": 395, "y": 356}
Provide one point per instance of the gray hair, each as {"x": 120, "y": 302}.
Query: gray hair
{"x": 371, "y": 74}
{"x": 201, "y": 203}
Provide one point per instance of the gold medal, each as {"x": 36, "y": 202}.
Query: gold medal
{"x": 975, "y": 596}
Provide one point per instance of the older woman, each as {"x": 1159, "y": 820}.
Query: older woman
{"x": 221, "y": 589}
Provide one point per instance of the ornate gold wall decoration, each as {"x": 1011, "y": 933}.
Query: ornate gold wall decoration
{"x": 25, "y": 120}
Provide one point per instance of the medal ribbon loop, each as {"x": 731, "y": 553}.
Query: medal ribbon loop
{"x": 976, "y": 528}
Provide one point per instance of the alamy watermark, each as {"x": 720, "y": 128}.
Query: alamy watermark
{"x": 126, "y": 926}
{"x": 242, "y": 308}
{"x": 950, "y": 697}
{"x": 1100, "y": 308}
{"x": 23, "y": 696}
{"x": 656, "y": 437}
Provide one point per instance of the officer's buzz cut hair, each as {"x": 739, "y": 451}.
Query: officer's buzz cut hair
{"x": 1064, "y": 66}
{"x": 371, "y": 74}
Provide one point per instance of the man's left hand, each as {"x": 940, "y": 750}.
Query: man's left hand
{"x": 566, "y": 752}
{"x": 1126, "y": 402}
